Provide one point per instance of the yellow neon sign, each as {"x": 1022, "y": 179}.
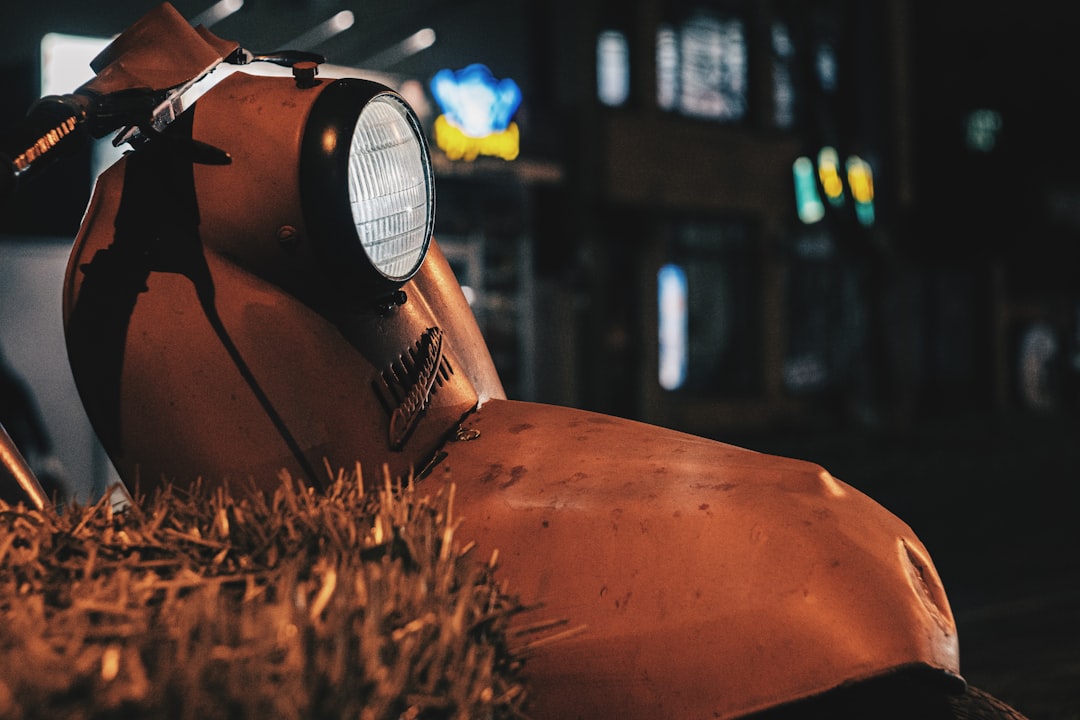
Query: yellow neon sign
{"x": 459, "y": 146}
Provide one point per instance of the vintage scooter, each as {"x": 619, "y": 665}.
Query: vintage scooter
{"x": 255, "y": 286}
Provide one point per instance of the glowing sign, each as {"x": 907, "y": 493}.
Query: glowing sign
{"x": 861, "y": 181}
{"x": 476, "y": 111}
{"x": 807, "y": 201}
{"x": 829, "y": 173}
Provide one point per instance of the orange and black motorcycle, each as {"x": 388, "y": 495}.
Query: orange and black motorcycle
{"x": 255, "y": 285}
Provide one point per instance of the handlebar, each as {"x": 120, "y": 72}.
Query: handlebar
{"x": 51, "y": 129}
{"x": 143, "y": 79}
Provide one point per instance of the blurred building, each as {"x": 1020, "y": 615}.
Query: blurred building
{"x": 732, "y": 216}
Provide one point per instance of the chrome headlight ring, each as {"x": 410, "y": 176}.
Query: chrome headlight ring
{"x": 367, "y": 187}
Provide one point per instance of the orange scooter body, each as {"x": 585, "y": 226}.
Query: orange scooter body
{"x": 696, "y": 579}
{"x": 202, "y": 348}
{"x": 706, "y": 580}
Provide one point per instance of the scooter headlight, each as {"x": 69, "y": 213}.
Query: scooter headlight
{"x": 367, "y": 186}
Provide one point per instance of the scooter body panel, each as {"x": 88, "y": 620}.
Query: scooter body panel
{"x": 190, "y": 366}
{"x": 695, "y": 578}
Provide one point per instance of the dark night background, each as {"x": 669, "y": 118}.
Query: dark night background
{"x": 921, "y": 393}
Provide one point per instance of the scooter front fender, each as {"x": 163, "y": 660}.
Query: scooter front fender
{"x": 705, "y": 580}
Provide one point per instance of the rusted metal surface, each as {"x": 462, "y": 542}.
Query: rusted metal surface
{"x": 703, "y": 580}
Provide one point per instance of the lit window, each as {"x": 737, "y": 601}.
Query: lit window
{"x": 713, "y": 68}
{"x": 825, "y": 65}
{"x": 1039, "y": 351}
{"x": 667, "y": 67}
{"x": 783, "y": 59}
{"x": 674, "y": 338}
{"x": 612, "y": 68}
{"x": 983, "y": 128}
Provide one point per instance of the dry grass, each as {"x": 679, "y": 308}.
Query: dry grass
{"x": 207, "y": 604}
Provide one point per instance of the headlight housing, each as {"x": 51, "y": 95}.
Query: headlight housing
{"x": 367, "y": 187}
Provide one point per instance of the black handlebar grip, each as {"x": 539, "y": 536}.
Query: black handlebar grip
{"x": 52, "y": 128}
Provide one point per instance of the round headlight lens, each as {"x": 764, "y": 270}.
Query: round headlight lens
{"x": 390, "y": 187}
{"x": 367, "y": 188}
